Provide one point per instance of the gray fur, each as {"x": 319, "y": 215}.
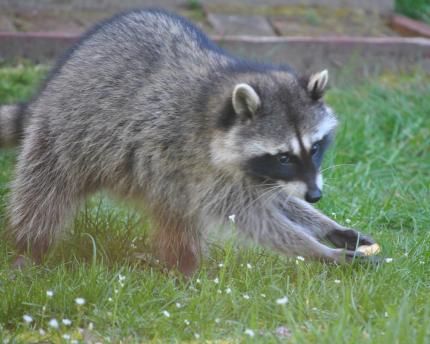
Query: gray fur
{"x": 136, "y": 108}
{"x": 10, "y": 130}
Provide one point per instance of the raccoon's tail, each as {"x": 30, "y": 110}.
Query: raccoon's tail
{"x": 11, "y": 125}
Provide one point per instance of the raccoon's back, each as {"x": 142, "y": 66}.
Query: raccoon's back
{"x": 127, "y": 95}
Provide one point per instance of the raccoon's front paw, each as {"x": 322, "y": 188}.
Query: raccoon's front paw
{"x": 349, "y": 239}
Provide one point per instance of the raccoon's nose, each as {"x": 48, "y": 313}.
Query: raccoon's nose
{"x": 313, "y": 196}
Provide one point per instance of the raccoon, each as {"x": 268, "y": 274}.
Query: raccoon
{"x": 146, "y": 107}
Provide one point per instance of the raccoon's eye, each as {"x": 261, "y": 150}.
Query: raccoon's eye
{"x": 284, "y": 158}
{"x": 315, "y": 147}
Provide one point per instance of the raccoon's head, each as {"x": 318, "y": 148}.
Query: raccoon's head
{"x": 274, "y": 128}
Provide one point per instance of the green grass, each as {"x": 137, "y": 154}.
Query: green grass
{"x": 418, "y": 9}
{"x": 377, "y": 179}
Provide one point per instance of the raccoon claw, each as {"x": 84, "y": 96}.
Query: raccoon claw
{"x": 349, "y": 239}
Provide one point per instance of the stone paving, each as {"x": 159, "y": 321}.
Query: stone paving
{"x": 254, "y": 18}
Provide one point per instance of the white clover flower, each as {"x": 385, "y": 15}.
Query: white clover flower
{"x": 42, "y": 332}
{"x": 198, "y": 281}
{"x": 232, "y": 218}
{"x": 216, "y": 280}
{"x": 246, "y": 296}
{"x": 249, "y": 266}
{"x": 220, "y": 265}
{"x": 178, "y": 305}
{"x": 388, "y": 260}
{"x": 282, "y": 300}
{"x": 300, "y": 258}
{"x": 80, "y": 301}
{"x": 228, "y": 290}
{"x": 249, "y": 332}
{"x": 196, "y": 335}
{"x": 49, "y": 293}
{"x": 116, "y": 291}
{"x": 337, "y": 281}
{"x": 66, "y": 336}
{"x": 27, "y": 318}
{"x": 166, "y": 314}
{"x": 53, "y": 323}
{"x": 263, "y": 295}
{"x": 421, "y": 262}
{"x": 66, "y": 322}
{"x": 348, "y": 221}
{"x": 121, "y": 278}
{"x": 187, "y": 322}
{"x": 110, "y": 299}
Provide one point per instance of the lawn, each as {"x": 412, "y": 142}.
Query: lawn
{"x": 93, "y": 288}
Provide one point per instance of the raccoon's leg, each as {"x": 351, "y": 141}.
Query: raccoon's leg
{"x": 42, "y": 200}
{"x": 322, "y": 227}
{"x": 178, "y": 242}
{"x": 275, "y": 230}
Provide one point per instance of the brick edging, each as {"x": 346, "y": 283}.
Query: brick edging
{"x": 368, "y": 54}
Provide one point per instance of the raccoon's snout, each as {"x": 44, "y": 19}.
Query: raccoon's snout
{"x": 313, "y": 196}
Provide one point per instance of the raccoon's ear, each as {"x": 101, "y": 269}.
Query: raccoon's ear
{"x": 245, "y": 100}
{"x": 317, "y": 84}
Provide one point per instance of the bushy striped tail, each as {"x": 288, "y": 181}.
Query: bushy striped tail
{"x": 11, "y": 125}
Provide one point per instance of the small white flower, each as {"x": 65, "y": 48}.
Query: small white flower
{"x": 219, "y": 291}
{"x": 388, "y": 260}
{"x": 246, "y": 296}
{"x": 187, "y": 322}
{"x": 196, "y": 335}
{"x": 216, "y": 280}
{"x": 66, "y": 336}
{"x": 198, "y": 281}
{"x": 80, "y": 301}
{"x": 66, "y": 322}
{"x": 121, "y": 278}
{"x": 422, "y": 262}
{"x": 42, "y": 332}
{"x": 90, "y": 326}
{"x": 314, "y": 308}
{"x": 49, "y": 293}
{"x": 249, "y": 266}
{"x": 263, "y": 295}
{"x": 166, "y": 314}
{"x": 336, "y": 281}
{"x": 27, "y": 318}
{"x": 386, "y": 314}
{"x": 178, "y": 305}
{"x": 300, "y": 258}
{"x": 232, "y": 218}
{"x": 53, "y": 323}
{"x": 116, "y": 291}
{"x": 282, "y": 300}
{"x": 220, "y": 265}
{"x": 348, "y": 221}
{"x": 110, "y": 299}
{"x": 228, "y": 290}
{"x": 249, "y": 332}
{"x": 217, "y": 320}
{"x": 333, "y": 214}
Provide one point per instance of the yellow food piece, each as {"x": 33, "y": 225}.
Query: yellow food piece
{"x": 369, "y": 250}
